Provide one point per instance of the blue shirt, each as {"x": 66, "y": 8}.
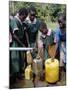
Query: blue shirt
{"x": 59, "y": 36}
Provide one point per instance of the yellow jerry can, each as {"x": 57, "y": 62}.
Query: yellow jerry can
{"x": 51, "y": 70}
{"x": 28, "y": 72}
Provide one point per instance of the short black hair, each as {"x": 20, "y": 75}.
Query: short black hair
{"x": 43, "y": 25}
{"x": 23, "y": 11}
{"x": 32, "y": 8}
{"x": 63, "y": 15}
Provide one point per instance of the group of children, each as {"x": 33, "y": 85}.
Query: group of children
{"x": 28, "y": 31}
{"x": 47, "y": 37}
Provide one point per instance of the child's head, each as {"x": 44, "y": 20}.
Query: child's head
{"x": 43, "y": 28}
{"x": 62, "y": 21}
{"x": 32, "y": 13}
{"x": 23, "y": 14}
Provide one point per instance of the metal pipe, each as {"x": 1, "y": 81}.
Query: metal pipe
{"x": 19, "y": 49}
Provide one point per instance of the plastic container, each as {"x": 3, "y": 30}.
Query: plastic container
{"x": 51, "y": 70}
{"x": 28, "y": 72}
{"x": 37, "y": 66}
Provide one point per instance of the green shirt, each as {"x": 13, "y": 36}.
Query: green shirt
{"x": 16, "y": 24}
{"x": 16, "y": 56}
{"x": 33, "y": 30}
{"x": 48, "y": 40}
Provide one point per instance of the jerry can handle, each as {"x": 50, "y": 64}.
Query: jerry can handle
{"x": 52, "y": 59}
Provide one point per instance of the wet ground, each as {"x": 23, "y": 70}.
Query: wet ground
{"x": 39, "y": 83}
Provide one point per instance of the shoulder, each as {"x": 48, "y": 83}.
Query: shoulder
{"x": 13, "y": 21}
{"x": 39, "y": 32}
{"x": 49, "y": 32}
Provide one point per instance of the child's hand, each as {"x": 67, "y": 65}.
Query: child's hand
{"x": 53, "y": 58}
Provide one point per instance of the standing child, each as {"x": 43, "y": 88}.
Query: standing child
{"x": 33, "y": 27}
{"x": 17, "y": 57}
{"x": 60, "y": 39}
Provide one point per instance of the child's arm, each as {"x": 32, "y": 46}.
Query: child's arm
{"x": 56, "y": 41}
{"x": 15, "y": 29}
{"x": 40, "y": 46}
{"x": 17, "y": 39}
{"x": 53, "y": 45}
{"x": 55, "y": 50}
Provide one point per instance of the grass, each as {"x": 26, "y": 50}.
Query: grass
{"x": 52, "y": 25}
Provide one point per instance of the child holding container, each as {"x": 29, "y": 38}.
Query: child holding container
{"x": 60, "y": 39}
{"x": 45, "y": 39}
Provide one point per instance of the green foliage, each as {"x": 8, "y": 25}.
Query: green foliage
{"x": 48, "y": 12}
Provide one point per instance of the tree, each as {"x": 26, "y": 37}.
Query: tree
{"x": 48, "y": 12}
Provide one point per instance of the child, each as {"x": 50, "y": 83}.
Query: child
{"x": 17, "y": 57}
{"x": 60, "y": 39}
{"x": 45, "y": 39}
{"x": 33, "y": 27}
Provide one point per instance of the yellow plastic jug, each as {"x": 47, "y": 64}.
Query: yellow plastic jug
{"x": 51, "y": 70}
{"x": 28, "y": 72}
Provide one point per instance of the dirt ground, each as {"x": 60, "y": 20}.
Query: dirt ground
{"x": 38, "y": 83}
